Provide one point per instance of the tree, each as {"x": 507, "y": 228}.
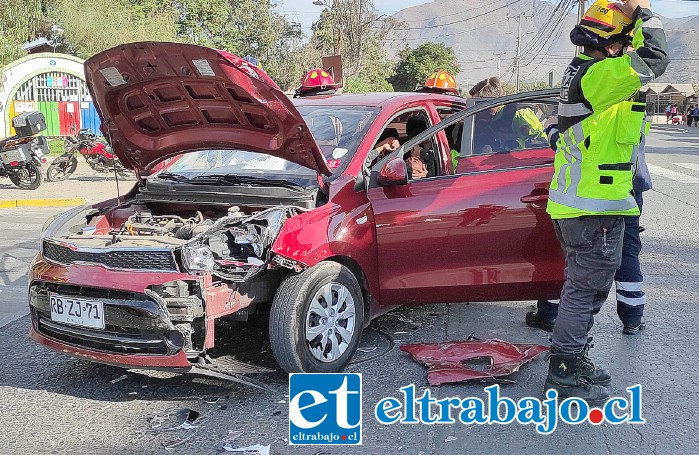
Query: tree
{"x": 358, "y": 32}
{"x": 20, "y": 21}
{"x": 415, "y": 65}
{"x": 266, "y": 35}
{"x": 91, "y": 27}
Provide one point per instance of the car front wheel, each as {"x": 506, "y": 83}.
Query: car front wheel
{"x": 316, "y": 319}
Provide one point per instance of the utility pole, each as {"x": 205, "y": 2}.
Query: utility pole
{"x": 581, "y": 14}
{"x": 519, "y": 38}
{"x": 519, "y": 44}
{"x": 499, "y": 55}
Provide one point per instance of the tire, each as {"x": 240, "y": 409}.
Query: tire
{"x": 296, "y": 311}
{"x": 58, "y": 172}
{"x": 29, "y": 178}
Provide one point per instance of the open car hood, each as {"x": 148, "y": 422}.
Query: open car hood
{"x": 158, "y": 100}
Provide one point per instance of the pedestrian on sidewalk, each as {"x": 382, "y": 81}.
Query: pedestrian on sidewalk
{"x": 690, "y": 115}
{"x": 673, "y": 114}
{"x": 591, "y": 189}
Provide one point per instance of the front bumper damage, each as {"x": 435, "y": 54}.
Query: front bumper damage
{"x": 169, "y": 325}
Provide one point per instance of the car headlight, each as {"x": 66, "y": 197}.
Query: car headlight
{"x": 197, "y": 258}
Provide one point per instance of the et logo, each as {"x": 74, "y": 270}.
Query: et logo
{"x": 325, "y": 409}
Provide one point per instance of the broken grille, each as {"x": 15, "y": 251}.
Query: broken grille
{"x": 160, "y": 260}
{"x": 108, "y": 340}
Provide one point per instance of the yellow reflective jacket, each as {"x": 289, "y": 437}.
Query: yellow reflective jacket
{"x": 601, "y": 126}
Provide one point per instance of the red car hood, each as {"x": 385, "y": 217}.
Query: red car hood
{"x": 157, "y": 100}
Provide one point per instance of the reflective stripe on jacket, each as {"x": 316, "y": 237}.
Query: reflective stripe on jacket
{"x": 601, "y": 126}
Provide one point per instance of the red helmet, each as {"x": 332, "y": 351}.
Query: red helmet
{"x": 317, "y": 80}
{"x": 441, "y": 82}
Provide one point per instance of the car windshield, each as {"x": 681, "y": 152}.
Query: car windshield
{"x": 212, "y": 166}
{"x": 338, "y": 130}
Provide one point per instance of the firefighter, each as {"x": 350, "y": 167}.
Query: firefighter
{"x": 439, "y": 82}
{"x": 600, "y": 126}
{"x": 316, "y": 82}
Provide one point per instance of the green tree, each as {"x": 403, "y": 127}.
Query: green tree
{"x": 415, "y": 65}
{"x": 203, "y": 22}
{"x": 91, "y": 27}
{"x": 20, "y": 21}
{"x": 356, "y": 30}
{"x": 265, "y": 34}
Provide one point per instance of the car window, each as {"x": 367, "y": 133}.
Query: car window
{"x": 534, "y": 152}
{"x": 510, "y": 127}
{"x": 338, "y": 130}
{"x": 423, "y": 159}
{"x": 455, "y": 132}
{"x": 507, "y": 136}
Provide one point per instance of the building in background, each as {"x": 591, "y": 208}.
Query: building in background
{"x": 53, "y": 84}
{"x": 660, "y": 94}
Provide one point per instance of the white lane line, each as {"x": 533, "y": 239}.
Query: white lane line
{"x": 692, "y": 166}
{"x": 672, "y": 175}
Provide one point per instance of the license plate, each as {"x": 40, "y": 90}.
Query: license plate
{"x": 85, "y": 313}
{"x": 12, "y": 155}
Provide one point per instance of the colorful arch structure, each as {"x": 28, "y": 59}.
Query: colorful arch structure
{"x": 51, "y": 83}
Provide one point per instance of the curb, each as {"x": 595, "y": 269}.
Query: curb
{"x": 48, "y": 202}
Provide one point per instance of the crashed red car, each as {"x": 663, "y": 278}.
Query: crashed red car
{"x": 284, "y": 207}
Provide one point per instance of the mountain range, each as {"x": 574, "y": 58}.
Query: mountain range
{"x": 481, "y": 32}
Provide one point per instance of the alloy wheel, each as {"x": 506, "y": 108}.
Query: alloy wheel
{"x": 330, "y": 322}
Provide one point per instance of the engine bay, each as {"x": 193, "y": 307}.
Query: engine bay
{"x": 232, "y": 243}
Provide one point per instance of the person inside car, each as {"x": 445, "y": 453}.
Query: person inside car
{"x": 503, "y": 128}
{"x": 420, "y": 161}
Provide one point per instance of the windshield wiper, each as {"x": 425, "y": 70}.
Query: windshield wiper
{"x": 173, "y": 177}
{"x": 227, "y": 179}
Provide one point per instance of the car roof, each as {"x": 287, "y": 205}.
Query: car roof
{"x": 374, "y": 99}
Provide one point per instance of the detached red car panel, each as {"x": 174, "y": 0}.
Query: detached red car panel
{"x": 287, "y": 207}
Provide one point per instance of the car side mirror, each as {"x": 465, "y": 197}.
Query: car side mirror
{"x": 394, "y": 172}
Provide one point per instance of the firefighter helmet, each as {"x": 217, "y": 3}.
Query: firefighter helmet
{"x": 317, "y": 80}
{"x": 604, "y": 23}
{"x": 440, "y": 82}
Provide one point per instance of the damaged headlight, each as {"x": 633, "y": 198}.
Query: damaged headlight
{"x": 197, "y": 258}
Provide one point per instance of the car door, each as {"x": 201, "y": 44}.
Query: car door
{"x": 479, "y": 234}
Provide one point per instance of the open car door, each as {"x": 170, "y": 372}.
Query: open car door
{"x": 481, "y": 233}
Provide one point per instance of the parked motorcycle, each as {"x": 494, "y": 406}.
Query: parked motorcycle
{"x": 97, "y": 154}
{"x": 21, "y": 155}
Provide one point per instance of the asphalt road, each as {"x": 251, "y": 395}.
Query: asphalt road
{"x": 52, "y": 403}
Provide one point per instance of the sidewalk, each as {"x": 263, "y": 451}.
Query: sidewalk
{"x": 84, "y": 186}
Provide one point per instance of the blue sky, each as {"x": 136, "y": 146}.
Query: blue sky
{"x": 305, "y": 12}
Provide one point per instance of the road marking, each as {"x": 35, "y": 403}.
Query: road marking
{"x": 692, "y": 166}
{"x": 672, "y": 175}
{"x": 47, "y": 202}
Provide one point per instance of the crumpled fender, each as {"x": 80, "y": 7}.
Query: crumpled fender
{"x": 344, "y": 229}
{"x": 445, "y": 361}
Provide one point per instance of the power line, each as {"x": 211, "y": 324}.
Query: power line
{"x": 463, "y": 20}
{"x": 450, "y": 15}
{"x": 444, "y": 35}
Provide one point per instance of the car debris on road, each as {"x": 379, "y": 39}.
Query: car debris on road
{"x": 445, "y": 361}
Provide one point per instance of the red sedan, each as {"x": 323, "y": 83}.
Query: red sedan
{"x": 288, "y": 207}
